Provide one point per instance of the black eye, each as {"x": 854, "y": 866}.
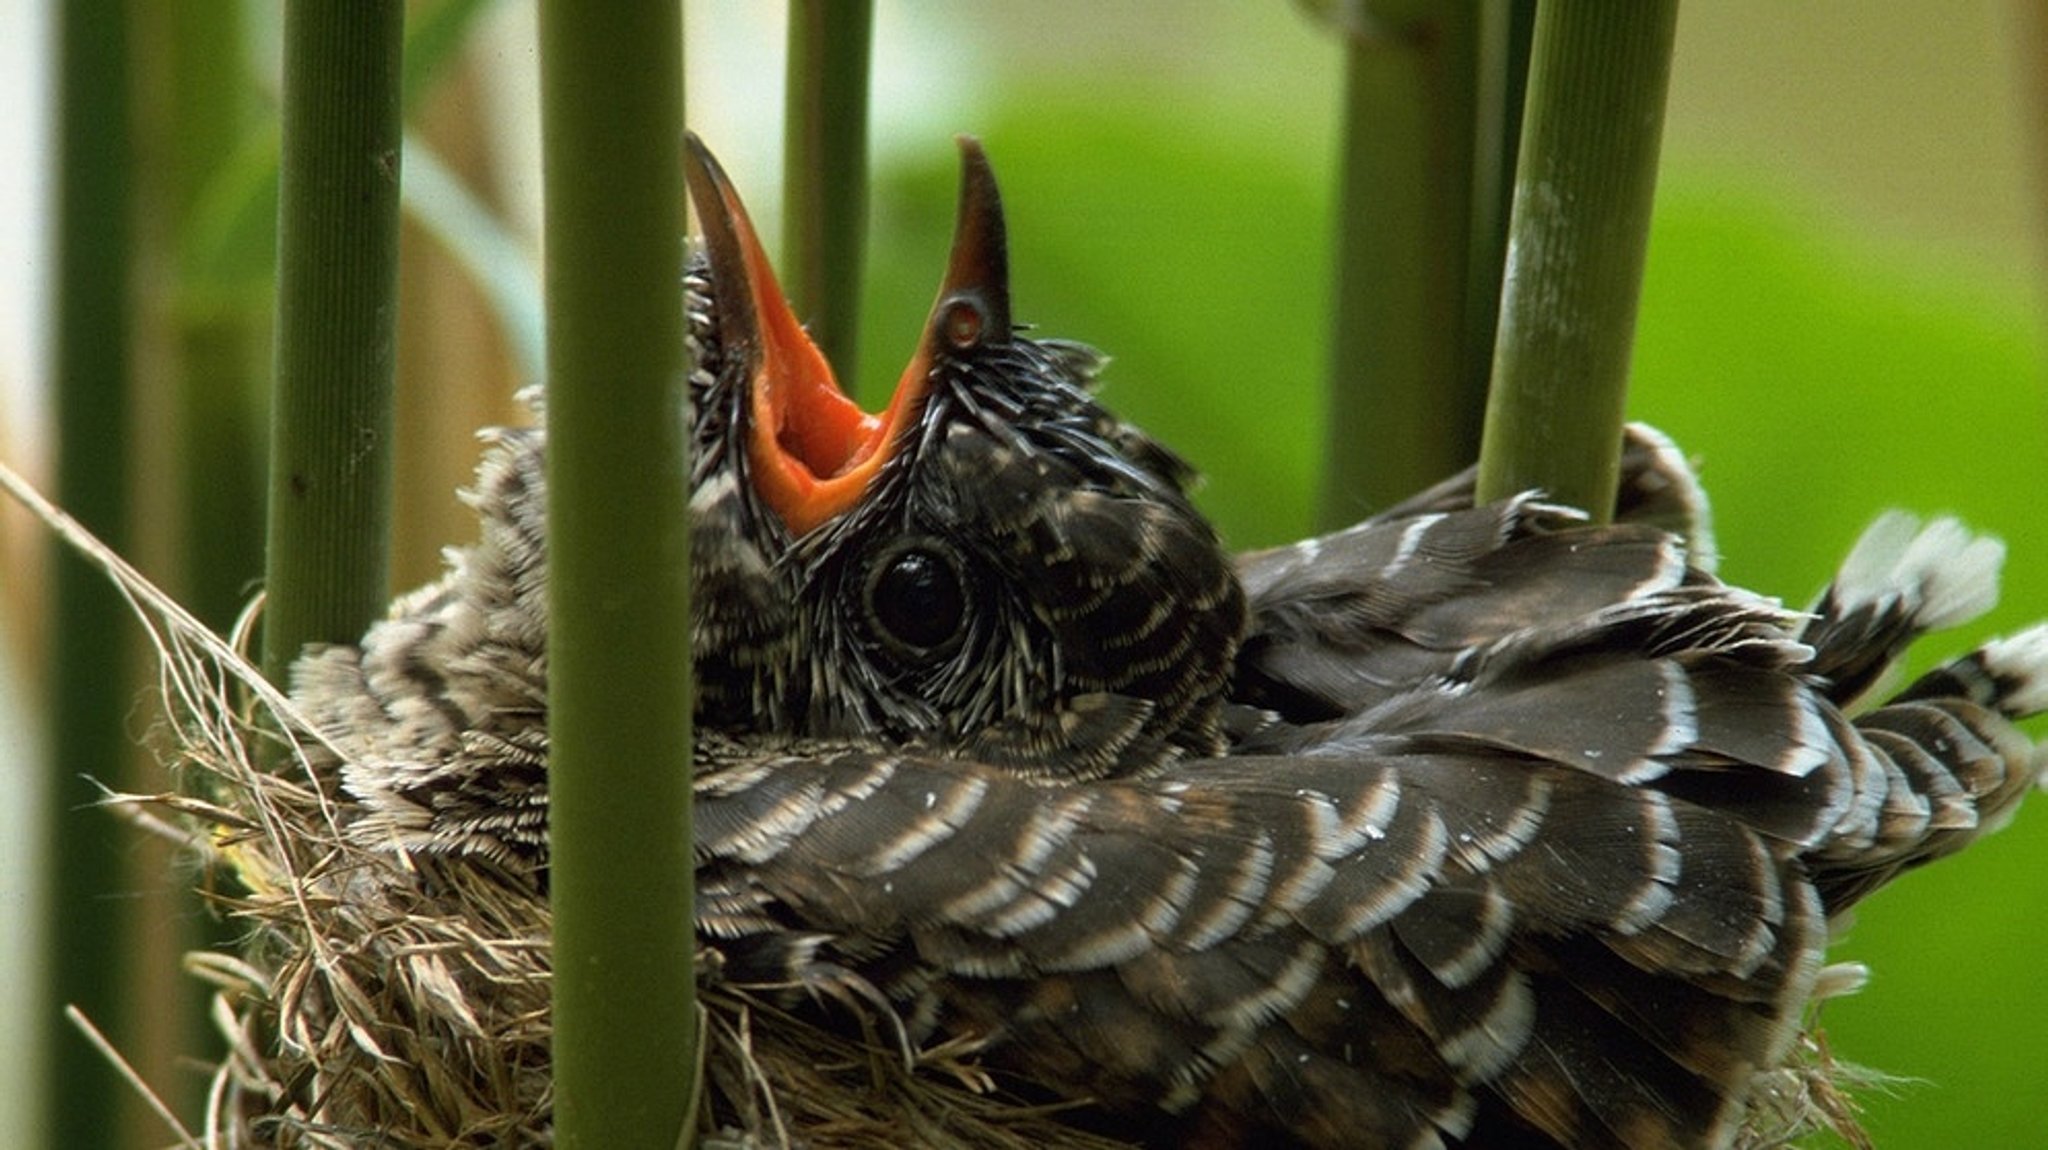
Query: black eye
{"x": 917, "y": 598}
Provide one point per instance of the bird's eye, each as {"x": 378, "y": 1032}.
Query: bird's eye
{"x": 962, "y": 324}
{"x": 917, "y": 598}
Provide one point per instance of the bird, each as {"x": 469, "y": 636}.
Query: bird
{"x": 1471, "y": 825}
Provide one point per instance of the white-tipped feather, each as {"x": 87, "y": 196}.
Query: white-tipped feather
{"x": 2020, "y": 661}
{"x": 1674, "y": 466}
{"x": 1942, "y": 573}
{"x": 1839, "y": 980}
{"x": 1865, "y": 575}
{"x": 1958, "y": 572}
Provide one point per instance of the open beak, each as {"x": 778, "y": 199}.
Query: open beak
{"x": 812, "y": 452}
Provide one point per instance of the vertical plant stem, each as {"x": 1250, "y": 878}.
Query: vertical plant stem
{"x": 618, "y": 555}
{"x": 825, "y": 171}
{"x": 328, "y": 559}
{"x": 1399, "y": 418}
{"x": 219, "y": 321}
{"x": 1588, "y": 169}
{"x": 1504, "y": 31}
{"x": 88, "y": 680}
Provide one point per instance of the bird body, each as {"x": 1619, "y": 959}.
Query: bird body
{"x": 1466, "y": 826}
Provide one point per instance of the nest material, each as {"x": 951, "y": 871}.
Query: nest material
{"x": 387, "y": 1001}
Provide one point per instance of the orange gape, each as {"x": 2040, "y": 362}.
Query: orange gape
{"x": 811, "y": 451}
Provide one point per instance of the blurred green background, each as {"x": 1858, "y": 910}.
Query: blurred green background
{"x": 1842, "y": 314}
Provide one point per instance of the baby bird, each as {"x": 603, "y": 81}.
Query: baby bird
{"x": 1471, "y": 825}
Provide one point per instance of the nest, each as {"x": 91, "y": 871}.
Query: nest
{"x": 376, "y": 999}
{"x": 381, "y": 1001}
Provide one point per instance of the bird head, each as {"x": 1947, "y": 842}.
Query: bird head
{"x": 993, "y": 564}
